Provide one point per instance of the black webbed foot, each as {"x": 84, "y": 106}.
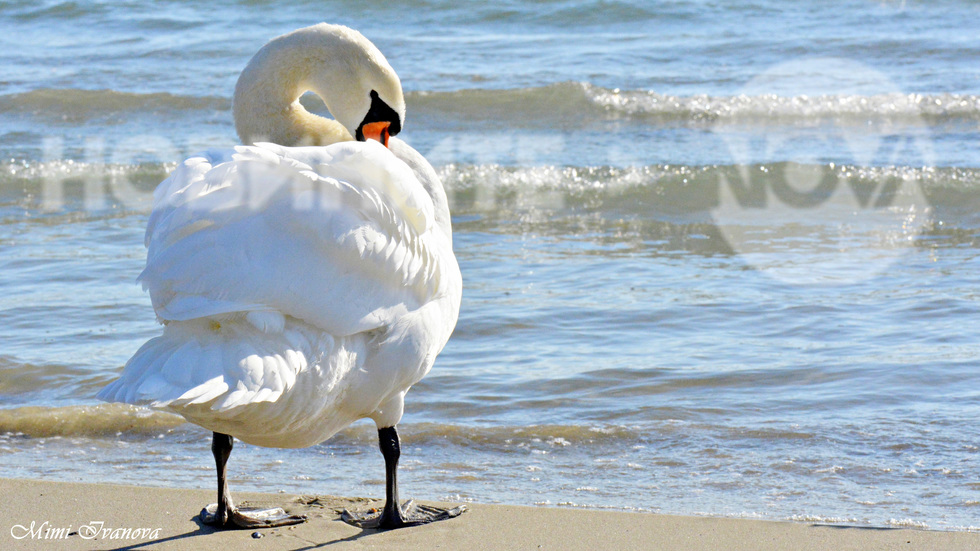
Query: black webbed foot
{"x": 409, "y": 514}
{"x": 249, "y": 517}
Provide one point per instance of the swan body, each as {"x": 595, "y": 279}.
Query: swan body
{"x": 305, "y": 283}
{"x": 301, "y": 288}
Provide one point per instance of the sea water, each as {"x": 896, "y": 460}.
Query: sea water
{"x": 718, "y": 258}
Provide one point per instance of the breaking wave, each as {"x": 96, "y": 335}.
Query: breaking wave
{"x": 561, "y": 104}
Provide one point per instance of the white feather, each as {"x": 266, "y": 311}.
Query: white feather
{"x": 259, "y": 296}
{"x": 301, "y": 288}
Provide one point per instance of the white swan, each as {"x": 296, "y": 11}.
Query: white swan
{"x": 301, "y": 288}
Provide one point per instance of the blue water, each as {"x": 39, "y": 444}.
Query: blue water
{"x": 718, "y": 258}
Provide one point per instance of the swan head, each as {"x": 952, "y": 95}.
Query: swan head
{"x": 347, "y": 71}
{"x": 365, "y": 94}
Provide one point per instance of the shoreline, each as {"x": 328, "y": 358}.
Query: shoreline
{"x": 128, "y": 517}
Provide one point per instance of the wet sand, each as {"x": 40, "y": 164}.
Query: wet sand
{"x": 104, "y": 516}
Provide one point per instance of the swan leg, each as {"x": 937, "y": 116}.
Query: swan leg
{"x": 395, "y": 515}
{"x": 224, "y": 514}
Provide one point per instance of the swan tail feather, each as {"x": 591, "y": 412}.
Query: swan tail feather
{"x": 219, "y": 364}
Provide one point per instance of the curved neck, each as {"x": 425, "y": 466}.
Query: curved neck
{"x": 266, "y": 106}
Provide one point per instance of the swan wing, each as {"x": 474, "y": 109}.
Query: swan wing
{"x": 340, "y": 237}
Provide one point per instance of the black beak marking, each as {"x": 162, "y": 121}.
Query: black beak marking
{"x": 379, "y": 112}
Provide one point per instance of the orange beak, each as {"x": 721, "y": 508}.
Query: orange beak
{"x": 377, "y": 131}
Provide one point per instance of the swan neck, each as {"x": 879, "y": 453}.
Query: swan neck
{"x": 266, "y": 105}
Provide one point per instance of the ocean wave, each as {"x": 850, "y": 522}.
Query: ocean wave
{"x": 771, "y": 108}
{"x": 593, "y": 178}
{"x": 683, "y": 195}
{"x": 560, "y": 14}
{"x": 499, "y": 437}
{"x": 30, "y": 11}
{"x": 92, "y": 421}
{"x": 112, "y": 420}
{"x": 133, "y": 423}
{"x": 671, "y": 193}
{"x": 27, "y": 174}
{"x": 559, "y": 102}
{"x": 73, "y": 105}
{"x": 556, "y": 105}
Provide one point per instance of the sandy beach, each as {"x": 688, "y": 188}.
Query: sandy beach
{"x": 56, "y": 515}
